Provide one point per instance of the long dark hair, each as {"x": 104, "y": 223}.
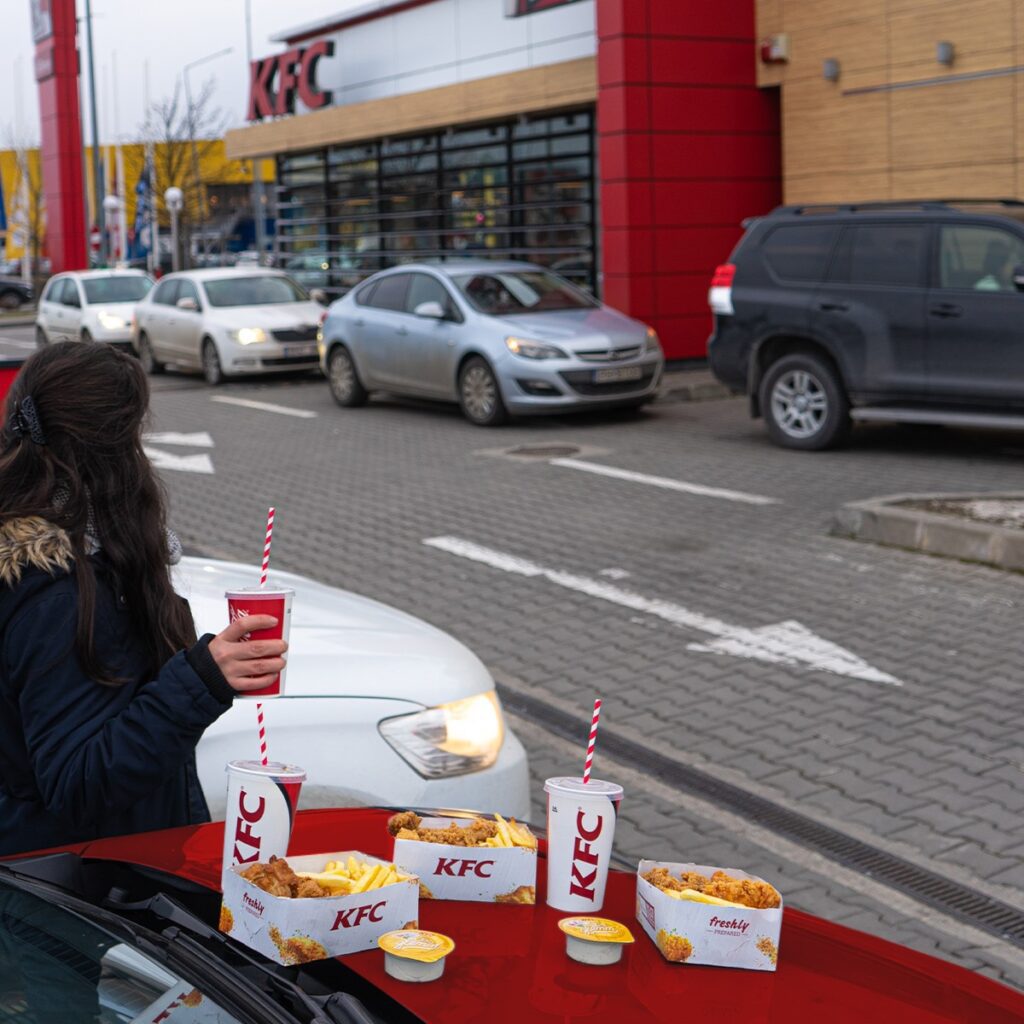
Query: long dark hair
{"x": 91, "y": 402}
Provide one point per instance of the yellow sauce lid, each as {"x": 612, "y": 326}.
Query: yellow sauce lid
{"x": 595, "y": 929}
{"x": 413, "y": 944}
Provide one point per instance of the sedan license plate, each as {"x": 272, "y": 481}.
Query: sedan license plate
{"x": 618, "y": 373}
{"x": 300, "y": 350}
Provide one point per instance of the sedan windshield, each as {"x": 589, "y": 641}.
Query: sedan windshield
{"x": 504, "y": 292}
{"x": 129, "y": 288}
{"x": 253, "y": 290}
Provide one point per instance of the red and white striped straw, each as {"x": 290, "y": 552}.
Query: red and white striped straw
{"x": 263, "y": 582}
{"x": 593, "y": 737}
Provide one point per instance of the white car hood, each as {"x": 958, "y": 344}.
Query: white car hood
{"x": 341, "y": 644}
{"x": 269, "y": 317}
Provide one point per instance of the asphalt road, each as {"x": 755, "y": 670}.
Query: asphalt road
{"x": 16, "y": 342}
{"x": 679, "y": 566}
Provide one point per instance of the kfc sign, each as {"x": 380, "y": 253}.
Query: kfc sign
{"x": 519, "y": 7}
{"x": 274, "y": 82}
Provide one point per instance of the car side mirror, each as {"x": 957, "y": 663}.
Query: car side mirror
{"x": 188, "y": 303}
{"x": 319, "y": 295}
{"x": 1018, "y": 277}
{"x": 432, "y": 310}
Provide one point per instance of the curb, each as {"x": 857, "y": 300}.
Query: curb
{"x": 881, "y": 521}
{"x": 703, "y": 389}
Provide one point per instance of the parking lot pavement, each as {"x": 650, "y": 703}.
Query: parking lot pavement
{"x": 17, "y": 341}
{"x": 684, "y": 573}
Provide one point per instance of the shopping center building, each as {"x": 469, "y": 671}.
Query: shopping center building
{"x": 620, "y": 142}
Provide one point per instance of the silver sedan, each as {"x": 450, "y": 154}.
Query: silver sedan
{"x": 499, "y": 338}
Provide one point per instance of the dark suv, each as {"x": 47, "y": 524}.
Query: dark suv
{"x": 908, "y": 311}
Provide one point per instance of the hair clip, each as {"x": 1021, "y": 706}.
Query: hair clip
{"x": 25, "y": 421}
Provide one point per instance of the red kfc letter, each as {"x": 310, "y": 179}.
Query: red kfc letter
{"x": 286, "y": 81}
{"x": 261, "y": 73}
{"x": 310, "y": 95}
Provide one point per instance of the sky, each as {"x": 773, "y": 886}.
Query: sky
{"x": 161, "y": 35}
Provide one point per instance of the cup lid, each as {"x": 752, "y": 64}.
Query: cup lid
{"x": 577, "y": 787}
{"x": 414, "y": 944}
{"x": 273, "y": 770}
{"x": 255, "y": 591}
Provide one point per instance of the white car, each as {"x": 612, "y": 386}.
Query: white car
{"x": 379, "y": 707}
{"x": 228, "y": 321}
{"x": 90, "y": 305}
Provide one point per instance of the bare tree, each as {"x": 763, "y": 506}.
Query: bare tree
{"x": 183, "y": 134}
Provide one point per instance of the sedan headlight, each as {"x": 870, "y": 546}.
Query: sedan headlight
{"x": 111, "y": 322}
{"x": 653, "y": 341}
{"x": 249, "y": 335}
{"x": 451, "y": 739}
{"x": 533, "y": 349}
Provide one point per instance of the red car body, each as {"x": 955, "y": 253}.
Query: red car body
{"x": 509, "y": 963}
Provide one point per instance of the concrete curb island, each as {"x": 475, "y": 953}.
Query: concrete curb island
{"x": 884, "y": 521}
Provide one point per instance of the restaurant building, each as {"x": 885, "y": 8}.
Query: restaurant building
{"x": 620, "y": 142}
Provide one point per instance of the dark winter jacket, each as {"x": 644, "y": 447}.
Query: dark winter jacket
{"x": 80, "y": 760}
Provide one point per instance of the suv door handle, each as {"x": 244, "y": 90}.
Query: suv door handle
{"x": 946, "y": 309}
{"x": 834, "y": 307}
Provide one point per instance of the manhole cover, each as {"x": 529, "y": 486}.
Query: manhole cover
{"x": 544, "y": 451}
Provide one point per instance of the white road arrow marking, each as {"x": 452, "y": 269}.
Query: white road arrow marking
{"x": 182, "y": 463}
{"x": 201, "y": 440}
{"x": 786, "y": 643}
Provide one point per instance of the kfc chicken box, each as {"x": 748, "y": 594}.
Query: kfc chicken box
{"x": 315, "y": 907}
{"x": 473, "y": 859}
{"x": 697, "y": 914}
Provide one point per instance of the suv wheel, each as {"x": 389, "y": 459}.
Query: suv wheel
{"x": 344, "y": 382}
{"x": 213, "y": 372}
{"x": 803, "y": 403}
{"x": 479, "y": 394}
{"x": 150, "y": 363}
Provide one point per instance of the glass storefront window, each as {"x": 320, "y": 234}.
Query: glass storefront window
{"x": 521, "y": 189}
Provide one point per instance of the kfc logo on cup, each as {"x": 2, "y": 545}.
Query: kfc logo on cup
{"x": 460, "y": 867}
{"x": 584, "y": 859}
{"x": 354, "y": 916}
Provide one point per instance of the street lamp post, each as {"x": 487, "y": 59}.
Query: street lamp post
{"x": 192, "y": 130}
{"x": 173, "y": 198}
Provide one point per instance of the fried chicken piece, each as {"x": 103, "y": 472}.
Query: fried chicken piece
{"x": 274, "y": 878}
{"x": 407, "y": 833}
{"x": 455, "y": 835}
{"x": 693, "y": 880}
{"x": 525, "y": 894}
{"x": 402, "y": 821}
{"x": 309, "y": 888}
{"x": 748, "y": 891}
{"x": 662, "y": 879}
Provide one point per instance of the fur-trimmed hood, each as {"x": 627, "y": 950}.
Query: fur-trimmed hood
{"x": 32, "y": 543}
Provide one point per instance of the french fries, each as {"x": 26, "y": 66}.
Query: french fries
{"x": 510, "y": 833}
{"x": 700, "y": 897}
{"x": 352, "y": 876}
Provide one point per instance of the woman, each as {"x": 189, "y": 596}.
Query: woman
{"x": 104, "y": 689}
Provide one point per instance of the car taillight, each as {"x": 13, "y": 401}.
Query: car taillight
{"x": 720, "y": 294}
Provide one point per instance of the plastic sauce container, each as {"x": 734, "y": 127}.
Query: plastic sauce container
{"x": 594, "y": 940}
{"x": 414, "y": 955}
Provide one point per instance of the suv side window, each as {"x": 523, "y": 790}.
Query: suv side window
{"x": 882, "y": 254}
{"x": 424, "y": 288}
{"x": 800, "y": 252}
{"x": 978, "y": 257}
{"x": 69, "y": 293}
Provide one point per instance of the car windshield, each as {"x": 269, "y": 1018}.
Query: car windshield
{"x": 129, "y": 288}
{"x": 253, "y": 290}
{"x": 505, "y": 292}
{"x": 55, "y": 965}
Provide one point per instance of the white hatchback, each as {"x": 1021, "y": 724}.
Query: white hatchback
{"x": 379, "y": 707}
{"x": 228, "y": 321}
{"x": 90, "y": 305}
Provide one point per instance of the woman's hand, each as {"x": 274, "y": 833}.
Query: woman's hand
{"x": 248, "y": 664}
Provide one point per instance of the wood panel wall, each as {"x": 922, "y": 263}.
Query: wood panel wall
{"x": 942, "y": 136}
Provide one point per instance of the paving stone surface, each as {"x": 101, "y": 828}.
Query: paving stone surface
{"x": 931, "y": 768}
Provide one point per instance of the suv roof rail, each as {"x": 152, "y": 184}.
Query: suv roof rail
{"x": 892, "y": 204}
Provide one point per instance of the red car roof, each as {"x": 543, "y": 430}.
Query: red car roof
{"x": 509, "y": 964}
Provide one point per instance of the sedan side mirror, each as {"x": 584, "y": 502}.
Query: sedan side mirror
{"x": 1018, "y": 277}
{"x": 189, "y": 304}
{"x": 319, "y": 295}
{"x": 432, "y": 310}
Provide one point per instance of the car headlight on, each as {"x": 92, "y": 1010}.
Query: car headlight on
{"x": 451, "y": 739}
{"x": 249, "y": 335}
{"x": 653, "y": 341}
{"x": 111, "y": 322}
{"x": 533, "y": 349}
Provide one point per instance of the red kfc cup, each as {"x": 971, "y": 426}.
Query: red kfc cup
{"x": 276, "y": 601}
{"x": 581, "y": 826}
{"x": 261, "y": 808}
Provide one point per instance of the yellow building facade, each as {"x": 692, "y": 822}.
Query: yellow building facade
{"x": 921, "y": 98}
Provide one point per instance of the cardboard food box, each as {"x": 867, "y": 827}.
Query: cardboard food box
{"x": 484, "y": 874}
{"x": 700, "y": 933}
{"x": 294, "y": 931}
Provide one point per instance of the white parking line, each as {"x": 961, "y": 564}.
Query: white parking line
{"x": 665, "y": 482}
{"x": 282, "y": 410}
{"x": 783, "y": 643}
